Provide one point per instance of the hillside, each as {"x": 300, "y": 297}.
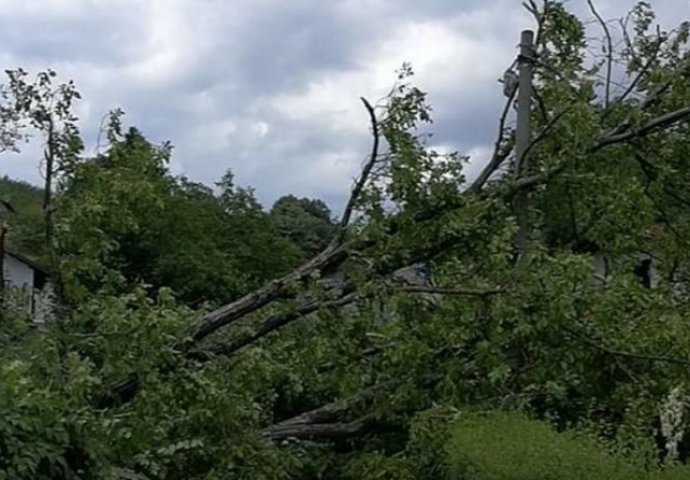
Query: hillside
{"x": 25, "y": 233}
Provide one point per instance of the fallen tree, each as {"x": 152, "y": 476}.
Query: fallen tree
{"x": 307, "y": 363}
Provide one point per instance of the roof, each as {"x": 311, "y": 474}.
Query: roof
{"x": 29, "y": 262}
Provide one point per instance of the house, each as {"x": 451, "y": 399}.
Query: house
{"x": 27, "y": 286}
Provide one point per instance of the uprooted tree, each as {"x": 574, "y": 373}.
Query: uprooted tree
{"x": 307, "y": 376}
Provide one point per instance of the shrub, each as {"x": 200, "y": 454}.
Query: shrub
{"x": 509, "y": 446}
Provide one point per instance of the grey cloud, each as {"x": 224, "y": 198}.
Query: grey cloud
{"x": 235, "y": 56}
{"x": 102, "y": 36}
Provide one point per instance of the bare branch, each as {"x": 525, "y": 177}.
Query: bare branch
{"x": 609, "y": 51}
{"x": 366, "y": 170}
{"x": 628, "y": 41}
{"x": 539, "y": 16}
{"x": 316, "y": 423}
{"x": 278, "y": 321}
{"x": 501, "y": 151}
{"x": 643, "y": 71}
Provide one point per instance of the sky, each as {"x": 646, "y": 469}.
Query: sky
{"x": 268, "y": 88}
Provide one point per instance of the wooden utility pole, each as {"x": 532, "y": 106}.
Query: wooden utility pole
{"x": 523, "y": 132}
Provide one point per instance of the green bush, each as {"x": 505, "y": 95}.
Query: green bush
{"x": 680, "y": 472}
{"x": 509, "y": 446}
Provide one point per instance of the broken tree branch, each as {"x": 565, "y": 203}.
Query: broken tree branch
{"x": 318, "y": 431}
{"x": 275, "y": 322}
{"x": 275, "y": 290}
{"x": 366, "y": 170}
{"x": 338, "y": 407}
{"x": 658, "y": 123}
{"x": 280, "y": 288}
{"x": 320, "y": 422}
{"x": 325, "y": 423}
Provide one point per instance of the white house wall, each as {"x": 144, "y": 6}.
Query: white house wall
{"x": 18, "y": 274}
{"x": 20, "y": 293}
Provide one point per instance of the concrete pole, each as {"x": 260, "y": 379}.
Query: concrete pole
{"x": 523, "y": 132}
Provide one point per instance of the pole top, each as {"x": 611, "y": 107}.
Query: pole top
{"x": 527, "y": 37}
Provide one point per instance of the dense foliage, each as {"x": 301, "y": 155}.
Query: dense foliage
{"x": 123, "y": 220}
{"x": 321, "y": 359}
{"x": 25, "y": 220}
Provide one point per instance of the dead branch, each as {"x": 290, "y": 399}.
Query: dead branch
{"x": 366, "y": 170}
{"x": 609, "y": 52}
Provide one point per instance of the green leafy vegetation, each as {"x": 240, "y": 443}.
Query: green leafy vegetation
{"x": 509, "y": 446}
{"x": 25, "y": 232}
{"x": 198, "y": 335}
